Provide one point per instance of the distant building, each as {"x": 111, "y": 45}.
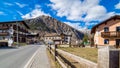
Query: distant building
{"x": 10, "y": 30}
{"x": 33, "y": 38}
{"x": 54, "y": 38}
{"x": 107, "y": 32}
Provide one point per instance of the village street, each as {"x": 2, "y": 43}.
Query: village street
{"x": 19, "y": 57}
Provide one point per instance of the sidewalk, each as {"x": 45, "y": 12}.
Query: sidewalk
{"x": 41, "y": 59}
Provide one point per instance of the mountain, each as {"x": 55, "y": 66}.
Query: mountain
{"x": 47, "y": 24}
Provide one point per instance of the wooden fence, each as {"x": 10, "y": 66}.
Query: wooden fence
{"x": 57, "y": 53}
{"x": 108, "y": 57}
{"x": 53, "y": 51}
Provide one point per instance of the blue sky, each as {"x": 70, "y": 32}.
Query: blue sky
{"x": 80, "y": 14}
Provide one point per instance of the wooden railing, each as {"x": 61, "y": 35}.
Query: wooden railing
{"x": 21, "y": 35}
{"x": 59, "y": 55}
{"x": 111, "y": 34}
{"x": 4, "y": 27}
{"x": 102, "y": 62}
{"x": 56, "y": 55}
{"x": 20, "y": 29}
{"x": 4, "y": 33}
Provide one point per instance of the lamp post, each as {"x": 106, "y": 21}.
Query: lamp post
{"x": 16, "y": 31}
{"x": 17, "y": 34}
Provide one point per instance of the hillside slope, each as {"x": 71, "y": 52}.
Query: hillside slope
{"x": 46, "y": 24}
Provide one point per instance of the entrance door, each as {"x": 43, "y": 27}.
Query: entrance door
{"x": 117, "y": 42}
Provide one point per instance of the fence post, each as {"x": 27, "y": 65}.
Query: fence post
{"x": 55, "y": 52}
{"x": 108, "y": 57}
{"x": 50, "y": 47}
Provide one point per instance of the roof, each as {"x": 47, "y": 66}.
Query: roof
{"x": 66, "y": 34}
{"x": 51, "y": 35}
{"x": 55, "y": 34}
{"x": 16, "y": 22}
{"x": 57, "y": 40}
{"x": 113, "y": 17}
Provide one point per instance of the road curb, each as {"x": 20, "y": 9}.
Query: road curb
{"x": 29, "y": 63}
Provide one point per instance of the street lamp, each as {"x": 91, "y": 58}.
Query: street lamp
{"x": 17, "y": 30}
{"x": 17, "y": 34}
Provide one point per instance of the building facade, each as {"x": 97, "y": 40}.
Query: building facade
{"x": 49, "y": 38}
{"x": 13, "y": 32}
{"x": 33, "y": 38}
{"x": 54, "y": 38}
{"x": 107, "y": 32}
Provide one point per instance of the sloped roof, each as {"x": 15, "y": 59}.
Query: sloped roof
{"x": 113, "y": 17}
{"x": 51, "y": 35}
{"x": 17, "y": 22}
{"x": 55, "y": 34}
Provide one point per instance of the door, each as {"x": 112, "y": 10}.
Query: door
{"x": 117, "y": 42}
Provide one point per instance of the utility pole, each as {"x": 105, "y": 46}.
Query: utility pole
{"x": 17, "y": 35}
{"x": 16, "y": 31}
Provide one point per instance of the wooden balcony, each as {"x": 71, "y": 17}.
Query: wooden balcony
{"x": 4, "y": 27}
{"x": 111, "y": 34}
{"x": 20, "y": 35}
{"x": 4, "y": 33}
{"x": 20, "y": 29}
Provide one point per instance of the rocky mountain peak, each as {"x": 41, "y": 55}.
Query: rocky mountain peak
{"x": 47, "y": 24}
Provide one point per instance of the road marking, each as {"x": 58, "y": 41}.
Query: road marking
{"x": 29, "y": 63}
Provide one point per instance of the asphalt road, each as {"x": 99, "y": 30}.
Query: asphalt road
{"x": 16, "y": 57}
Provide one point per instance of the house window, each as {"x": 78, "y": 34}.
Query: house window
{"x": 106, "y": 41}
{"x": 118, "y": 28}
{"x": 3, "y": 38}
{"x": 106, "y": 29}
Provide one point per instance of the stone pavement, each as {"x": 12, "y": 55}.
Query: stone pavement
{"x": 41, "y": 59}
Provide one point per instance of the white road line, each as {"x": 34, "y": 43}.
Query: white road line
{"x": 28, "y": 64}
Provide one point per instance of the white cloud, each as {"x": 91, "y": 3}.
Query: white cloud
{"x": 90, "y": 23}
{"x": 2, "y": 13}
{"x": 97, "y": 13}
{"x": 117, "y": 6}
{"x": 37, "y": 6}
{"x": 35, "y": 13}
{"x": 9, "y": 4}
{"x": 76, "y": 10}
{"x": 19, "y": 13}
{"x": 77, "y": 26}
{"x": 74, "y": 25}
{"x": 20, "y": 5}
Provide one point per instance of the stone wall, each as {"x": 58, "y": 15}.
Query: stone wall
{"x": 108, "y": 57}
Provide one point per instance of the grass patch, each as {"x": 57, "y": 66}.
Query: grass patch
{"x": 74, "y": 63}
{"x": 87, "y": 53}
{"x": 21, "y": 44}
